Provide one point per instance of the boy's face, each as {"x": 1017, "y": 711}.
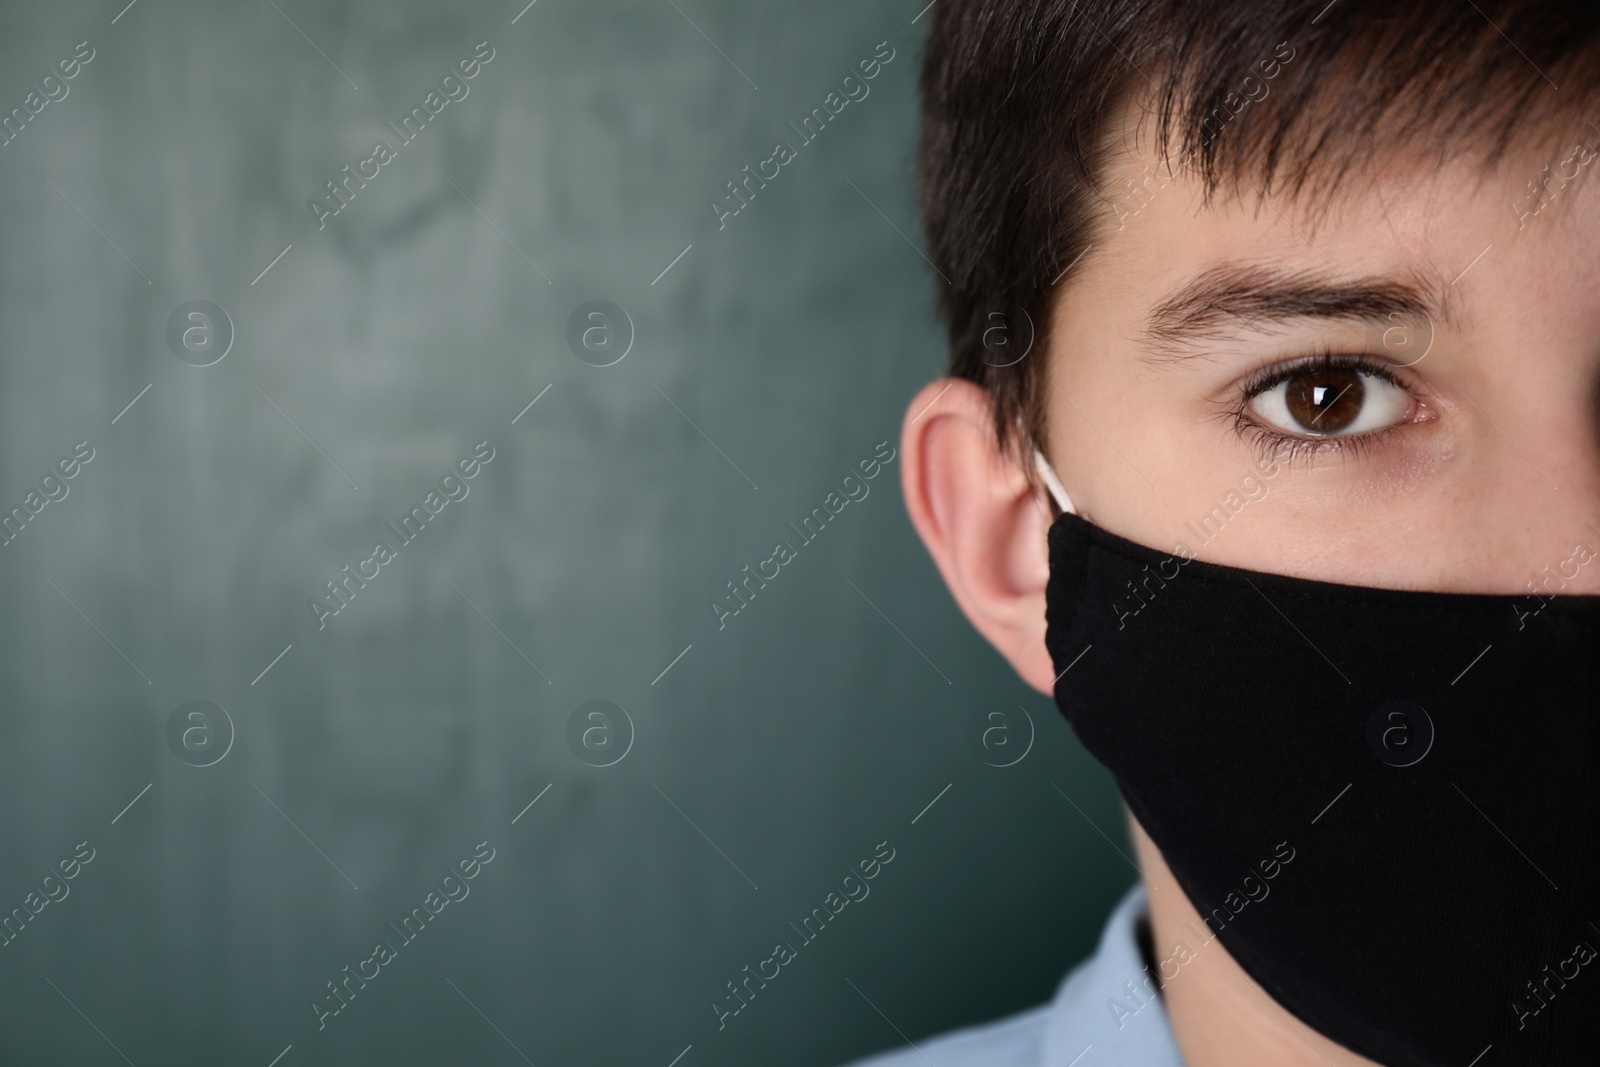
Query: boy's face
{"x": 1459, "y": 417}
{"x": 1464, "y": 453}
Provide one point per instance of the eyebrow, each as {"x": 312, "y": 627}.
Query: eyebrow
{"x": 1230, "y": 297}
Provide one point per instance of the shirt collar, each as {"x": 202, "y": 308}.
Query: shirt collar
{"x": 1107, "y": 1012}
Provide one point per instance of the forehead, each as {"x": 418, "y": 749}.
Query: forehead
{"x": 1516, "y": 240}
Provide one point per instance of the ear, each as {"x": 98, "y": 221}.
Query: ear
{"x": 980, "y": 520}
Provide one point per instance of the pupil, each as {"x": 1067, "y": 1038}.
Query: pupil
{"x": 1325, "y": 401}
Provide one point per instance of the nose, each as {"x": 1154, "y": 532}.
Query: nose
{"x": 1535, "y": 465}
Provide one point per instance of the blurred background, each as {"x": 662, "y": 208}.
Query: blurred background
{"x": 534, "y": 272}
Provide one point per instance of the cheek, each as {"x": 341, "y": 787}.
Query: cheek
{"x": 1374, "y": 520}
{"x": 1110, "y": 445}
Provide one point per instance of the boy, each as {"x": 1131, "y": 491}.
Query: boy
{"x": 1272, "y": 451}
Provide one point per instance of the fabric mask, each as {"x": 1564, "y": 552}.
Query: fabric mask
{"x": 1383, "y": 803}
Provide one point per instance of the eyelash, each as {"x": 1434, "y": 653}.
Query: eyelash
{"x": 1271, "y": 443}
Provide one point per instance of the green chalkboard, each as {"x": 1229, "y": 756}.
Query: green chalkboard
{"x": 387, "y": 681}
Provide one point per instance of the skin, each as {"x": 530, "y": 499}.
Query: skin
{"x": 1493, "y": 474}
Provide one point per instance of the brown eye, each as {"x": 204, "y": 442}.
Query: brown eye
{"x": 1332, "y": 402}
{"x": 1324, "y": 401}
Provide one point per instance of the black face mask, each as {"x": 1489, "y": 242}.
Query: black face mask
{"x": 1383, "y": 803}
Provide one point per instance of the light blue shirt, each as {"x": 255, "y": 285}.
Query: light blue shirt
{"x": 1094, "y": 1020}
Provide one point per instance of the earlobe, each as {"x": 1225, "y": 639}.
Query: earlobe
{"x": 982, "y": 521}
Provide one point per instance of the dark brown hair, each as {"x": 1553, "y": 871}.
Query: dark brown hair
{"x": 1018, "y": 97}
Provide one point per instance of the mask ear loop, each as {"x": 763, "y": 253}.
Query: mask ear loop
{"x": 1047, "y": 474}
